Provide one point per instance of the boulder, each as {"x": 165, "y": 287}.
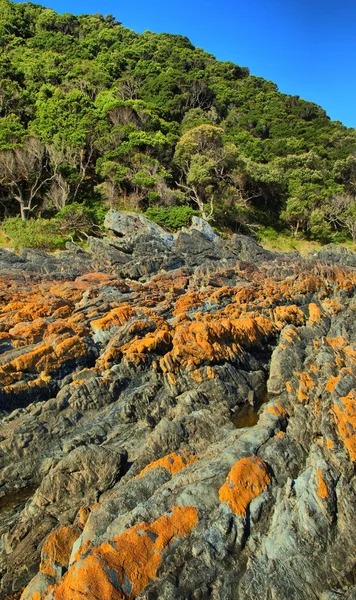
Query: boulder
{"x": 132, "y": 224}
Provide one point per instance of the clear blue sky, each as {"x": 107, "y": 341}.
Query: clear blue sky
{"x": 307, "y": 47}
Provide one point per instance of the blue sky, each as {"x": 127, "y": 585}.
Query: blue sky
{"x": 307, "y": 47}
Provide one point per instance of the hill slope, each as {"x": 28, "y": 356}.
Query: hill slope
{"x": 92, "y": 112}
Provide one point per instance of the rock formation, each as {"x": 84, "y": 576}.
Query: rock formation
{"x": 178, "y": 419}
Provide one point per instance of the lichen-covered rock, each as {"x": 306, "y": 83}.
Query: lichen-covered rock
{"x": 246, "y": 480}
{"x": 124, "y": 567}
{"x": 177, "y": 419}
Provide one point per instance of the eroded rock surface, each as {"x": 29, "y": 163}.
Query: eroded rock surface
{"x": 178, "y": 420}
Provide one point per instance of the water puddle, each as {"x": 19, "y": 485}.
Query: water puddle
{"x": 248, "y": 414}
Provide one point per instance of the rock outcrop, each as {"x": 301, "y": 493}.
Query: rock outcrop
{"x": 178, "y": 419}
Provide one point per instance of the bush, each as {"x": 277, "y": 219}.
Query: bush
{"x": 267, "y": 233}
{"x": 171, "y": 217}
{"x": 75, "y": 221}
{"x": 41, "y": 234}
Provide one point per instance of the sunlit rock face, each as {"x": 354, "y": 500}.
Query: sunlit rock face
{"x": 178, "y": 420}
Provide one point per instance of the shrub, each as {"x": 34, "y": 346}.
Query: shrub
{"x": 75, "y": 221}
{"x": 171, "y": 217}
{"x": 267, "y": 233}
{"x": 41, "y": 234}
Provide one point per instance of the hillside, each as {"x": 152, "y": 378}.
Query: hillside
{"x": 94, "y": 115}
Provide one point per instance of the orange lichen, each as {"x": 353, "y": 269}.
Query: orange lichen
{"x": 187, "y": 301}
{"x": 315, "y": 314}
{"x": 289, "y": 314}
{"x": 332, "y": 306}
{"x": 157, "y": 341}
{"x": 29, "y": 360}
{"x": 174, "y": 462}
{"x": 306, "y": 384}
{"x": 58, "y": 547}
{"x": 72, "y": 347}
{"x": 46, "y": 357}
{"x": 219, "y": 294}
{"x": 28, "y": 333}
{"x": 34, "y": 596}
{"x": 344, "y": 410}
{"x": 289, "y": 387}
{"x": 197, "y": 376}
{"x": 280, "y": 434}
{"x": 246, "y": 480}
{"x": 336, "y": 343}
{"x": 331, "y": 383}
{"x": 277, "y": 410}
{"x": 322, "y": 490}
{"x": 211, "y": 373}
{"x": 39, "y": 307}
{"x": 290, "y": 335}
{"x": 122, "y": 568}
{"x": 214, "y": 340}
{"x": 115, "y": 318}
{"x": 329, "y": 443}
{"x": 246, "y": 295}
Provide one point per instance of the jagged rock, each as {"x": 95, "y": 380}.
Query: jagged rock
{"x": 335, "y": 253}
{"x": 106, "y": 254}
{"x": 186, "y": 433}
{"x": 247, "y": 249}
{"x": 195, "y": 248}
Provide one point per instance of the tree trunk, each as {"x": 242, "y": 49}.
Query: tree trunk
{"x": 19, "y": 198}
{"x": 23, "y": 211}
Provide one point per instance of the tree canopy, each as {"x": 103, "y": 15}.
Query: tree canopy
{"x": 92, "y": 112}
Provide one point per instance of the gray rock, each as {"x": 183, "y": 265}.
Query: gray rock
{"x": 128, "y": 224}
{"x": 336, "y": 254}
{"x": 204, "y": 228}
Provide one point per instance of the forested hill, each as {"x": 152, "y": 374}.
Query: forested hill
{"x": 94, "y": 115}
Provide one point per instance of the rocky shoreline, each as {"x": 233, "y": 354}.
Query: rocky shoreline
{"x": 178, "y": 419}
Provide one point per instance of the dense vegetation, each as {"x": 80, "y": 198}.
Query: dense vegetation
{"x": 93, "y": 115}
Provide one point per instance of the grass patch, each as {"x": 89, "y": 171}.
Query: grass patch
{"x": 270, "y": 239}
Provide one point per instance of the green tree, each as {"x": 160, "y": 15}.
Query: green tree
{"x": 206, "y": 164}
